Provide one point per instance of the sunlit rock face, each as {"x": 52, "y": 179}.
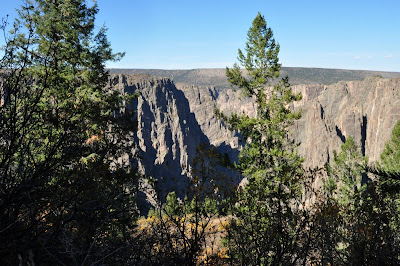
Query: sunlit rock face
{"x": 366, "y": 110}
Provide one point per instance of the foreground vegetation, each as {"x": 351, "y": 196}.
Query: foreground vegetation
{"x": 67, "y": 186}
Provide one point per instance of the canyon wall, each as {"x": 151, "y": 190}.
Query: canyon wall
{"x": 174, "y": 119}
{"x": 168, "y": 133}
{"x": 366, "y": 110}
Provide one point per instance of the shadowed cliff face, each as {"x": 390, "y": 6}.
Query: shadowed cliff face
{"x": 174, "y": 120}
{"x": 203, "y": 100}
{"x": 168, "y": 133}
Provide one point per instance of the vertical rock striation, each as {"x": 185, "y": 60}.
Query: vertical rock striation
{"x": 366, "y": 110}
{"x": 203, "y": 100}
{"x": 174, "y": 120}
{"x": 168, "y": 133}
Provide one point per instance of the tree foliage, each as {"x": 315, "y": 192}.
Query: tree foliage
{"x": 362, "y": 232}
{"x": 265, "y": 223}
{"x": 66, "y": 194}
{"x": 187, "y": 231}
{"x": 389, "y": 166}
{"x": 67, "y": 187}
{"x": 390, "y": 157}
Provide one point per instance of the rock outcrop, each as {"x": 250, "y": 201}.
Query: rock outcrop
{"x": 171, "y": 127}
{"x": 203, "y": 100}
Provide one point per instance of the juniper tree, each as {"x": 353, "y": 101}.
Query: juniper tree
{"x": 64, "y": 196}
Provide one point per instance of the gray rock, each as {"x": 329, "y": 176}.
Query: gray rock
{"x": 170, "y": 128}
{"x": 175, "y": 119}
{"x": 366, "y": 110}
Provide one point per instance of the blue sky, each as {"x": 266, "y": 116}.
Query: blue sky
{"x": 185, "y": 34}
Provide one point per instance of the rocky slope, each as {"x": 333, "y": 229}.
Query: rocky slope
{"x": 366, "y": 110}
{"x": 168, "y": 133}
{"x": 175, "y": 119}
{"x": 203, "y": 100}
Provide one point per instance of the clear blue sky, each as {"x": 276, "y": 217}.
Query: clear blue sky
{"x": 185, "y": 34}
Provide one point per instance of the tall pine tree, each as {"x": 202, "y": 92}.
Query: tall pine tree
{"x": 265, "y": 223}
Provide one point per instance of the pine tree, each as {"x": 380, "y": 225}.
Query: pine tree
{"x": 388, "y": 168}
{"x": 265, "y": 223}
{"x": 64, "y": 196}
{"x": 347, "y": 169}
{"x": 362, "y": 214}
{"x": 185, "y": 231}
{"x": 388, "y": 174}
{"x": 390, "y": 157}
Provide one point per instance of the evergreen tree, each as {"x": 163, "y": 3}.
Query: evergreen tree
{"x": 390, "y": 157}
{"x": 66, "y": 195}
{"x": 266, "y": 223}
{"x": 389, "y": 166}
{"x": 362, "y": 215}
{"x": 347, "y": 168}
{"x": 185, "y": 231}
{"x": 388, "y": 174}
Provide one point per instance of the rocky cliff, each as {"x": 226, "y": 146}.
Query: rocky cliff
{"x": 171, "y": 127}
{"x": 203, "y": 100}
{"x": 168, "y": 132}
{"x": 175, "y": 119}
{"x": 366, "y": 110}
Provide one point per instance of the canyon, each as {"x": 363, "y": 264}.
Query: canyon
{"x": 174, "y": 118}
